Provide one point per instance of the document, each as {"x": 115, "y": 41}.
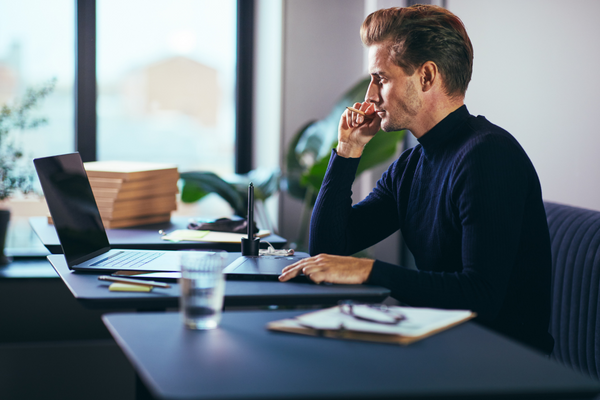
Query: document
{"x": 416, "y": 323}
{"x": 209, "y": 236}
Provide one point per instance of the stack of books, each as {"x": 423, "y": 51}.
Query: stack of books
{"x": 133, "y": 193}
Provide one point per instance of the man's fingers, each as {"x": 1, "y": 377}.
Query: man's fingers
{"x": 359, "y": 118}
{"x": 349, "y": 118}
{"x": 289, "y": 274}
{"x": 291, "y": 271}
{"x": 365, "y": 106}
{"x": 317, "y": 277}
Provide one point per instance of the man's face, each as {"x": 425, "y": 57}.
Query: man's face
{"x": 393, "y": 92}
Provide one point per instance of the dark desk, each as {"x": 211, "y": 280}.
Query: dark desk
{"x": 243, "y": 360}
{"x": 92, "y": 293}
{"x": 142, "y": 237}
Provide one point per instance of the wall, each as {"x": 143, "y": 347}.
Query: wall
{"x": 322, "y": 58}
{"x": 535, "y": 74}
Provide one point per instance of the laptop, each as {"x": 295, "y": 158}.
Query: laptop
{"x": 84, "y": 241}
{"x": 78, "y": 224}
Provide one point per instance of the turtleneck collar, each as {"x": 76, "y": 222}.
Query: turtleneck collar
{"x": 444, "y": 130}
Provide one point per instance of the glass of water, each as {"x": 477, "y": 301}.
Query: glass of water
{"x": 202, "y": 288}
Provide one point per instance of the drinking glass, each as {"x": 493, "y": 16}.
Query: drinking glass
{"x": 202, "y": 288}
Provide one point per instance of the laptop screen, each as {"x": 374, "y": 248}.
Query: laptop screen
{"x": 72, "y": 206}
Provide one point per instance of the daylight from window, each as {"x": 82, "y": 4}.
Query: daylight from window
{"x": 166, "y": 80}
{"x": 165, "y": 77}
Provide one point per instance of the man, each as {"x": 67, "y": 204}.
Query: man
{"x": 466, "y": 198}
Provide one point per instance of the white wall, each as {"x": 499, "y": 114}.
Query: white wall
{"x": 536, "y": 75}
{"x": 322, "y": 58}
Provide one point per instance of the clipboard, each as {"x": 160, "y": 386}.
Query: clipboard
{"x": 419, "y": 324}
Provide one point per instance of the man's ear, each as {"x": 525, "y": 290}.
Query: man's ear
{"x": 429, "y": 75}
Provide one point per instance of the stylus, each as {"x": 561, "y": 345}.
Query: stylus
{"x": 250, "y": 211}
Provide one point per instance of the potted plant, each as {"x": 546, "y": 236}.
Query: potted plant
{"x": 15, "y": 172}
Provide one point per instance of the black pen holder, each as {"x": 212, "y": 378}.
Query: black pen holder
{"x": 250, "y": 247}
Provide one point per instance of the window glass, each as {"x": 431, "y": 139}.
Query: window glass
{"x": 166, "y": 81}
{"x": 36, "y": 45}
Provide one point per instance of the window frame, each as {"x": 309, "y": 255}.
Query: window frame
{"x": 86, "y": 116}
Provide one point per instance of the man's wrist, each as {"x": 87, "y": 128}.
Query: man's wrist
{"x": 347, "y": 150}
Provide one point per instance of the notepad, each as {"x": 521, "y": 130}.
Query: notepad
{"x": 124, "y": 287}
{"x": 331, "y": 322}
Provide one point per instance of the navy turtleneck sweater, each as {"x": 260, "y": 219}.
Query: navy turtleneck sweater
{"x": 469, "y": 204}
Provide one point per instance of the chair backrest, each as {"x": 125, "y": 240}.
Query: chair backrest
{"x": 575, "y": 317}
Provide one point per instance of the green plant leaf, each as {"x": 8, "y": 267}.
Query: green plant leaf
{"x": 265, "y": 181}
{"x": 294, "y": 169}
{"x": 15, "y": 173}
{"x": 382, "y": 147}
{"x": 196, "y": 185}
{"x": 234, "y": 191}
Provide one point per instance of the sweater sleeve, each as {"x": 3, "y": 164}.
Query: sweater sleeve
{"x": 489, "y": 191}
{"x": 337, "y": 227}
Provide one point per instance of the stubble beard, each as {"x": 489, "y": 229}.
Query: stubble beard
{"x": 401, "y": 114}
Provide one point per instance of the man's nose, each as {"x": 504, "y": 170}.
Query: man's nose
{"x": 372, "y": 95}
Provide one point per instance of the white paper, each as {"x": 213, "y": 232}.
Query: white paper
{"x": 209, "y": 236}
{"x": 418, "y": 322}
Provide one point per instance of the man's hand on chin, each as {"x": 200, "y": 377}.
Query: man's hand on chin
{"x": 356, "y": 130}
{"x": 332, "y": 269}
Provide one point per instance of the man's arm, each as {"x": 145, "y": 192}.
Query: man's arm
{"x": 337, "y": 227}
{"x": 490, "y": 193}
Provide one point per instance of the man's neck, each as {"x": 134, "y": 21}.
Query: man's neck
{"x": 436, "y": 111}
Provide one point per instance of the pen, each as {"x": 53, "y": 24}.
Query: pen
{"x": 356, "y": 111}
{"x": 133, "y": 281}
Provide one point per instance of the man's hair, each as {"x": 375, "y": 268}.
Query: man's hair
{"x": 422, "y": 33}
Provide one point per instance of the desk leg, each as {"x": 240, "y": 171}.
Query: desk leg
{"x": 141, "y": 391}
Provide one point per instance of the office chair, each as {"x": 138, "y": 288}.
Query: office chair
{"x": 575, "y": 313}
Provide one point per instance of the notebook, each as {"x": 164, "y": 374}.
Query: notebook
{"x": 78, "y": 224}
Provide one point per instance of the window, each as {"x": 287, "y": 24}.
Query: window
{"x": 166, "y": 82}
{"x": 166, "y": 78}
{"x": 36, "y": 45}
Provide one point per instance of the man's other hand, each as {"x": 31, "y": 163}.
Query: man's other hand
{"x": 332, "y": 269}
{"x": 356, "y": 130}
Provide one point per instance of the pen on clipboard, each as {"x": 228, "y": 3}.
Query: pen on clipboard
{"x": 133, "y": 281}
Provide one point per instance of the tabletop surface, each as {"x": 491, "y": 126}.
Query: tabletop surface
{"x": 95, "y": 294}
{"x": 142, "y": 237}
{"x": 243, "y": 360}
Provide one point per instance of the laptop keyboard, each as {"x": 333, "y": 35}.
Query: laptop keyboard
{"x": 128, "y": 259}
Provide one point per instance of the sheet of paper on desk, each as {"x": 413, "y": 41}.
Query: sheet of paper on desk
{"x": 209, "y": 236}
{"x": 418, "y": 322}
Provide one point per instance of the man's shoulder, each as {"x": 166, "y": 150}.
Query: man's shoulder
{"x": 481, "y": 136}
{"x": 486, "y": 145}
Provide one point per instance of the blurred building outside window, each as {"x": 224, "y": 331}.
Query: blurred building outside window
{"x": 166, "y": 88}
{"x": 36, "y": 45}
